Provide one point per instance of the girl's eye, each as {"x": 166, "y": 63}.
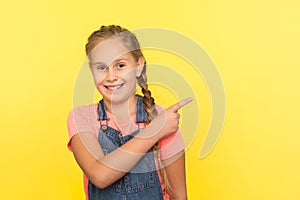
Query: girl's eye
{"x": 120, "y": 66}
{"x": 101, "y": 67}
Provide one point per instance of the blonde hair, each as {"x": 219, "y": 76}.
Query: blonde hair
{"x": 131, "y": 43}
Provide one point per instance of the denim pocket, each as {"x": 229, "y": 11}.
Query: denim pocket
{"x": 141, "y": 176}
{"x": 137, "y": 182}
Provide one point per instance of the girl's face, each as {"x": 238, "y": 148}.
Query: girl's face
{"x": 115, "y": 70}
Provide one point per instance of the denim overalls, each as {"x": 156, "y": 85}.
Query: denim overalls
{"x": 142, "y": 181}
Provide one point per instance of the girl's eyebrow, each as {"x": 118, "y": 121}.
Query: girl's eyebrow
{"x": 121, "y": 59}
{"x": 98, "y": 63}
{"x": 117, "y": 60}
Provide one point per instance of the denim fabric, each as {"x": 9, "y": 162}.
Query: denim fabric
{"x": 142, "y": 181}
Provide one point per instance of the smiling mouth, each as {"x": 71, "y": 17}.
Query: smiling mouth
{"x": 114, "y": 87}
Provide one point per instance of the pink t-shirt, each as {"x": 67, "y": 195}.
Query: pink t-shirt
{"x": 84, "y": 119}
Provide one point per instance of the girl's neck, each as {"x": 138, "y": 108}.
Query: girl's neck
{"x": 122, "y": 111}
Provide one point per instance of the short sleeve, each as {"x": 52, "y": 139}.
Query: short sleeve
{"x": 172, "y": 144}
{"x": 79, "y": 120}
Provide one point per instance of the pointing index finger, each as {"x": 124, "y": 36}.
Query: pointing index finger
{"x": 184, "y": 102}
{"x": 181, "y": 103}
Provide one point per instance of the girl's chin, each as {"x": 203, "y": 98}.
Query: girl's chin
{"x": 113, "y": 98}
{"x": 116, "y": 99}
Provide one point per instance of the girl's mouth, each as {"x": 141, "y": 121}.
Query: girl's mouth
{"x": 114, "y": 87}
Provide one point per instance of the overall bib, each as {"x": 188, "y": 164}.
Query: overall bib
{"x": 142, "y": 181}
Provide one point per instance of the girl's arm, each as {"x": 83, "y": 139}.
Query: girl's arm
{"x": 175, "y": 170}
{"x": 102, "y": 170}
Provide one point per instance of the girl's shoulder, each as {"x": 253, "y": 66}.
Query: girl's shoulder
{"x": 83, "y": 112}
{"x": 84, "y": 109}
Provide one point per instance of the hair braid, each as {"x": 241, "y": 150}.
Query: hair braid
{"x": 149, "y": 103}
{"x": 151, "y": 114}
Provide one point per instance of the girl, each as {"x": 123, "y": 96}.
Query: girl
{"x": 127, "y": 147}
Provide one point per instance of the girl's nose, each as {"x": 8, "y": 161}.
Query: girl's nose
{"x": 112, "y": 74}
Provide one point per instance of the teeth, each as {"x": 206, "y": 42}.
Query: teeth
{"x": 114, "y": 87}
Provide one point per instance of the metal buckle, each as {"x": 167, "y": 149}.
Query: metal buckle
{"x": 103, "y": 124}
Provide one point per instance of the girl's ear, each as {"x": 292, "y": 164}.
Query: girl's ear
{"x": 140, "y": 67}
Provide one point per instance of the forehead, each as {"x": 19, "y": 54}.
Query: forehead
{"x": 108, "y": 50}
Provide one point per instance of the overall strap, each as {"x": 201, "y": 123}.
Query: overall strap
{"x": 141, "y": 114}
{"x": 102, "y": 116}
{"x": 101, "y": 111}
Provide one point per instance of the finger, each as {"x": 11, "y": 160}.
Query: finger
{"x": 177, "y": 116}
{"x": 180, "y": 104}
{"x": 185, "y": 101}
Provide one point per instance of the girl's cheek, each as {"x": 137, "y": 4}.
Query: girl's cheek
{"x": 99, "y": 89}
{"x": 97, "y": 78}
{"x": 128, "y": 74}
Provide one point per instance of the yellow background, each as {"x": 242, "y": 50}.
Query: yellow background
{"x": 254, "y": 44}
